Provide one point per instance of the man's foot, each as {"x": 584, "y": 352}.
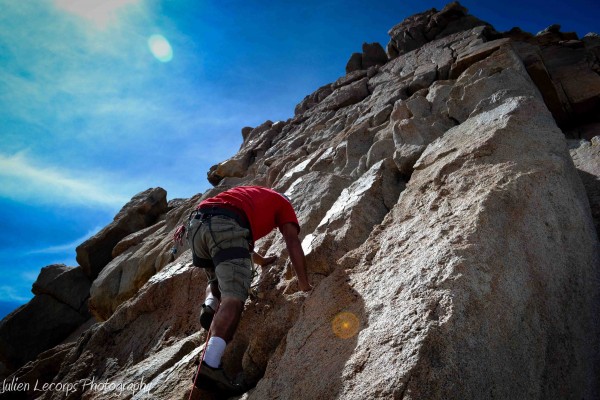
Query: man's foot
{"x": 206, "y": 316}
{"x": 216, "y": 376}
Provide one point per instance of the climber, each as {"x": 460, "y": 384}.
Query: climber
{"x": 221, "y": 235}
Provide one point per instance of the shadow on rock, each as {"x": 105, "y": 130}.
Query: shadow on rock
{"x": 310, "y": 361}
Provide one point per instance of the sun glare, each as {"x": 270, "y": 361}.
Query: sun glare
{"x": 345, "y": 325}
{"x": 100, "y": 12}
{"x": 160, "y": 48}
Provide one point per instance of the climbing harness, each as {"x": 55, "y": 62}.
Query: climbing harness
{"x": 204, "y": 215}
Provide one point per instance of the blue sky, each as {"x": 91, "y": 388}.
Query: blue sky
{"x": 89, "y": 116}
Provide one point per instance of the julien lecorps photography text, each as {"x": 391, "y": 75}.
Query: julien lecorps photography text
{"x": 85, "y": 385}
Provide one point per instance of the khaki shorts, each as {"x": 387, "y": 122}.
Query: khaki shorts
{"x": 217, "y": 233}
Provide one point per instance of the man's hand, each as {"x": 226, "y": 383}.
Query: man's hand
{"x": 263, "y": 261}
{"x": 269, "y": 260}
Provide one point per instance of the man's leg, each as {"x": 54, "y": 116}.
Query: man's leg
{"x": 223, "y": 327}
{"x": 211, "y": 300}
{"x": 226, "y": 320}
{"x": 212, "y": 293}
{"x": 214, "y": 289}
{"x": 234, "y": 277}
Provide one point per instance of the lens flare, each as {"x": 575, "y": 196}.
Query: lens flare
{"x": 345, "y": 325}
{"x": 160, "y": 48}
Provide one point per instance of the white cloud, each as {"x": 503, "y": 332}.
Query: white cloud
{"x": 8, "y": 293}
{"x": 21, "y": 179}
{"x": 30, "y": 276}
{"x": 66, "y": 247}
{"x": 100, "y": 12}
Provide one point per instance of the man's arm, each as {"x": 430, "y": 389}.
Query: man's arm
{"x": 292, "y": 242}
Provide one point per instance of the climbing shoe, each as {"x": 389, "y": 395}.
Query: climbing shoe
{"x": 215, "y": 378}
{"x": 206, "y": 316}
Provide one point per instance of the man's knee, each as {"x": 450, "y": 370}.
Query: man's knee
{"x": 214, "y": 288}
{"x": 233, "y": 303}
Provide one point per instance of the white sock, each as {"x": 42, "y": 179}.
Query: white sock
{"x": 212, "y": 302}
{"x": 214, "y": 351}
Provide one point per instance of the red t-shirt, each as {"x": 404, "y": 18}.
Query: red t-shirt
{"x": 265, "y": 208}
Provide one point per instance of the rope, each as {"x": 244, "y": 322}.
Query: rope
{"x": 178, "y": 235}
{"x": 201, "y": 359}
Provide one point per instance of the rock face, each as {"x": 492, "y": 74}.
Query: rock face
{"x": 448, "y": 235}
{"x": 41, "y": 324}
{"x": 66, "y": 284}
{"x": 587, "y": 160}
{"x": 137, "y": 257}
{"x": 419, "y": 29}
{"x": 566, "y": 73}
{"x": 141, "y": 212}
{"x": 372, "y": 55}
{"x": 58, "y": 308}
{"x": 432, "y": 294}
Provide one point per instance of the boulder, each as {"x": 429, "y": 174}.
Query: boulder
{"x": 250, "y": 159}
{"x": 567, "y": 77}
{"x": 574, "y": 70}
{"x": 358, "y": 140}
{"x": 381, "y": 150}
{"x": 354, "y": 63}
{"x": 313, "y": 99}
{"x": 554, "y": 97}
{"x": 144, "y": 253}
{"x": 346, "y": 96}
{"x": 142, "y": 211}
{"x": 483, "y": 83}
{"x": 553, "y": 35}
{"x": 349, "y": 78}
{"x": 41, "y": 324}
{"x": 373, "y": 55}
{"x": 422, "y": 28}
{"x": 409, "y": 34}
{"x": 135, "y": 238}
{"x": 246, "y": 131}
{"x": 313, "y": 194}
{"x": 416, "y": 122}
{"x": 156, "y": 373}
{"x": 351, "y": 218}
{"x": 127, "y": 273}
{"x": 472, "y": 55}
{"x": 68, "y": 285}
{"x": 161, "y": 320}
{"x": 57, "y": 310}
{"x": 175, "y": 203}
{"x": 41, "y": 371}
{"x": 233, "y": 168}
{"x": 518, "y": 35}
{"x": 554, "y": 28}
{"x": 424, "y": 76}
